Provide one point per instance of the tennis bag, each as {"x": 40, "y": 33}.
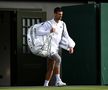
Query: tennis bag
{"x": 39, "y": 45}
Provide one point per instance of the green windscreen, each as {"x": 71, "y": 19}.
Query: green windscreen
{"x": 81, "y": 67}
{"x": 104, "y": 43}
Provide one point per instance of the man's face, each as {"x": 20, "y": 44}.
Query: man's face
{"x": 58, "y": 15}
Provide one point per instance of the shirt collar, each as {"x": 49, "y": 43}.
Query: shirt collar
{"x": 55, "y": 21}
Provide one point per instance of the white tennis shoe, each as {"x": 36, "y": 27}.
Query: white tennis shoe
{"x": 60, "y": 83}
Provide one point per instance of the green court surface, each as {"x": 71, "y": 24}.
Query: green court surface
{"x": 56, "y": 88}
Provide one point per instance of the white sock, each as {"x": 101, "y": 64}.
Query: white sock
{"x": 46, "y": 83}
{"x": 58, "y": 77}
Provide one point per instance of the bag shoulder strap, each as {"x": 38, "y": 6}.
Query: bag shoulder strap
{"x": 62, "y": 30}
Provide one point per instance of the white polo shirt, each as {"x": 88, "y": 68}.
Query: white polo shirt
{"x": 56, "y": 36}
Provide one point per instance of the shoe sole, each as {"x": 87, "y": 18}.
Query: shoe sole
{"x": 60, "y": 85}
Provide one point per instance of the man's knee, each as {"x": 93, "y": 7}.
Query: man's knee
{"x": 57, "y": 59}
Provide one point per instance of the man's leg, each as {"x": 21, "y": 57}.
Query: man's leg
{"x": 50, "y": 68}
{"x": 57, "y": 70}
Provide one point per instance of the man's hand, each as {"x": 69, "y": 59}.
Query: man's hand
{"x": 52, "y": 30}
{"x": 71, "y": 50}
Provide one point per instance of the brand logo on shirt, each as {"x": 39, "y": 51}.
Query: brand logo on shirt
{"x": 60, "y": 26}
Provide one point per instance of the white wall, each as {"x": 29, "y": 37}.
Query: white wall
{"x": 46, "y": 6}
